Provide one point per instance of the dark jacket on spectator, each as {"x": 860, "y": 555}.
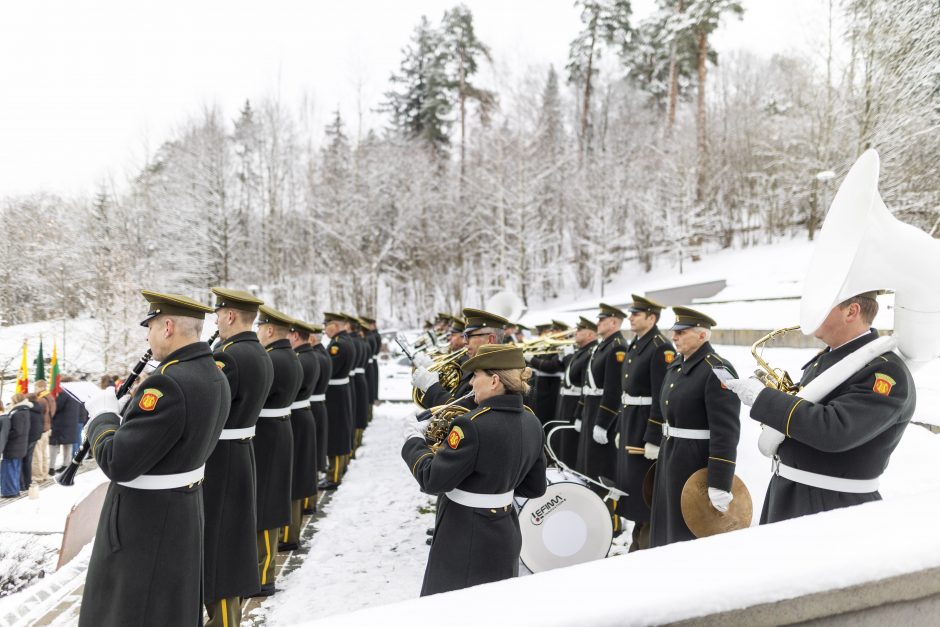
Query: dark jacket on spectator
{"x": 65, "y": 421}
{"x": 35, "y": 420}
{"x": 18, "y": 436}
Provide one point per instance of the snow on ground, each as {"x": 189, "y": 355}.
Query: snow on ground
{"x": 370, "y": 547}
{"x": 47, "y": 514}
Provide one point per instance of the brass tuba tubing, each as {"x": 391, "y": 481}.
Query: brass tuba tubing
{"x": 775, "y": 378}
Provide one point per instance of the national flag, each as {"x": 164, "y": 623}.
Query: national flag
{"x": 40, "y": 364}
{"x": 22, "y": 380}
{"x": 55, "y": 379}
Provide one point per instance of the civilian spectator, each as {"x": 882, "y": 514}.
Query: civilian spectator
{"x": 41, "y": 454}
{"x": 65, "y": 426}
{"x": 35, "y": 432}
{"x": 15, "y": 438}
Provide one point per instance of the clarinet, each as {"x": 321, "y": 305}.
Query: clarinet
{"x": 213, "y": 338}
{"x": 67, "y": 476}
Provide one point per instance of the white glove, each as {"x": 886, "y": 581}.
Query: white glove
{"x": 103, "y": 402}
{"x": 720, "y": 499}
{"x": 577, "y": 425}
{"x": 528, "y": 357}
{"x": 600, "y": 434}
{"x": 746, "y": 389}
{"x": 769, "y": 441}
{"x": 422, "y": 360}
{"x": 617, "y": 441}
{"x": 422, "y": 378}
{"x": 568, "y": 349}
{"x": 414, "y": 429}
{"x": 650, "y": 451}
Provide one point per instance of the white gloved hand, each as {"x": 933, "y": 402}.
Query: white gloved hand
{"x": 577, "y": 425}
{"x": 720, "y": 499}
{"x": 600, "y": 434}
{"x": 617, "y": 441}
{"x": 746, "y": 389}
{"x": 103, "y": 402}
{"x": 422, "y": 360}
{"x": 650, "y": 451}
{"x": 528, "y": 356}
{"x": 769, "y": 441}
{"x": 422, "y": 378}
{"x": 414, "y": 429}
{"x": 568, "y": 349}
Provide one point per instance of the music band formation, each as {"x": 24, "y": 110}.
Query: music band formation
{"x": 219, "y": 453}
{"x": 651, "y": 424}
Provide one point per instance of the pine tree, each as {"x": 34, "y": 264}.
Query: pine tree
{"x": 422, "y": 103}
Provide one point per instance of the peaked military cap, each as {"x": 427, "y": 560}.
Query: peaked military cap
{"x": 477, "y": 319}
{"x": 495, "y": 357}
{"x": 584, "y": 323}
{"x": 645, "y": 304}
{"x": 329, "y": 316}
{"x": 236, "y": 299}
{"x": 609, "y": 310}
{"x": 687, "y": 318}
{"x": 316, "y": 328}
{"x": 457, "y": 325}
{"x": 172, "y": 305}
{"x": 561, "y": 326}
{"x": 542, "y": 328}
{"x": 443, "y": 317}
{"x": 303, "y": 327}
{"x": 367, "y": 320}
{"x": 269, "y": 315}
{"x": 522, "y": 327}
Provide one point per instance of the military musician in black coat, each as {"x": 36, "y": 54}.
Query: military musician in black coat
{"x": 318, "y": 404}
{"x": 831, "y": 453}
{"x": 274, "y": 441}
{"x": 701, "y": 427}
{"x": 489, "y": 454}
{"x": 339, "y": 402}
{"x": 641, "y": 421}
{"x": 146, "y": 563}
{"x": 358, "y": 378}
{"x": 304, "y": 477}
{"x": 231, "y": 552}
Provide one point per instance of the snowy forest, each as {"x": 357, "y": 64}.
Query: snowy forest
{"x": 646, "y": 146}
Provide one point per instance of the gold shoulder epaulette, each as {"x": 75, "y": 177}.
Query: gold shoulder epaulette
{"x": 479, "y": 412}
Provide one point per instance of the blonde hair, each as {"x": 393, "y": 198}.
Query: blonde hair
{"x": 515, "y": 380}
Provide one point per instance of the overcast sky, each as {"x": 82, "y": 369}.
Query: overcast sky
{"x": 87, "y": 86}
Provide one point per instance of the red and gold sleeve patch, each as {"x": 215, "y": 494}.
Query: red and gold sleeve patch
{"x": 334, "y": 350}
{"x": 454, "y": 437}
{"x": 148, "y": 401}
{"x": 621, "y": 355}
{"x": 669, "y": 356}
{"x": 883, "y": 384}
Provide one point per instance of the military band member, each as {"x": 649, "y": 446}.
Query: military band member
{"x": 146, "y": 563}
{"x": 339, "y": 402}
{"x": 572, "y": 363}
{"x": 304, "y": 430}
{"x": 231, "y": 556}
{"x": 357, "y": 377}
{"x": 482, "y": 328}
{"x": 455, "y": 339}
{"x": 318, "y": 405}
{"x": 701, "y": 427}
{"x": 274, "y": 441}
{"x": 546, "y": 382}
{"x": 832, "y": 452}
{"x": 490, "y": 454}
{"x": 374, "y": 339}
{"x": 641, "y": 423}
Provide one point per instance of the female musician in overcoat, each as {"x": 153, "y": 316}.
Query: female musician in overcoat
{"x": 489, "y": 454}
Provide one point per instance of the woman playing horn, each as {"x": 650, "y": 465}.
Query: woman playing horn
{"x": 489, "y": 454}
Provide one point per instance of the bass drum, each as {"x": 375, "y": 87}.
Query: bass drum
{"x": 567, "y": 525}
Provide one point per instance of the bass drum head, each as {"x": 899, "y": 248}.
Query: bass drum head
{"x": 568, "y": 525}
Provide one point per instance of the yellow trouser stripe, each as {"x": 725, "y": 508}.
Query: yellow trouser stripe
{"x": 286, "y": 528}
{"x": 336, "y": 469}
{"x": 267, "y": 557}
{"x": 224, "y": 614}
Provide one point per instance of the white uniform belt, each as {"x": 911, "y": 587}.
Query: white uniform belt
{"x": 589, "y": 391}
{"x": 317, "y": 398}
{"x": 237, "y": 434}
{"x": 474, "y": 499}
{"x": 343, "y": 381}
{"x": 572, "y": 391}
{"x": 166, "y": 482}
{"x": 540, "y": 373}
{"x": 274, "y": 412}
{"x": 626, "y": 399}
{"x": 357, "y": 371}
{"x": 300, "y": 404}
{"x": 688, "y": 434}
{"x": 825, "y": 482}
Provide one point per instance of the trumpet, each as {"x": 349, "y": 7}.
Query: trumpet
{"x": 548, "y": 344}
{"x": 775, "y": 378}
